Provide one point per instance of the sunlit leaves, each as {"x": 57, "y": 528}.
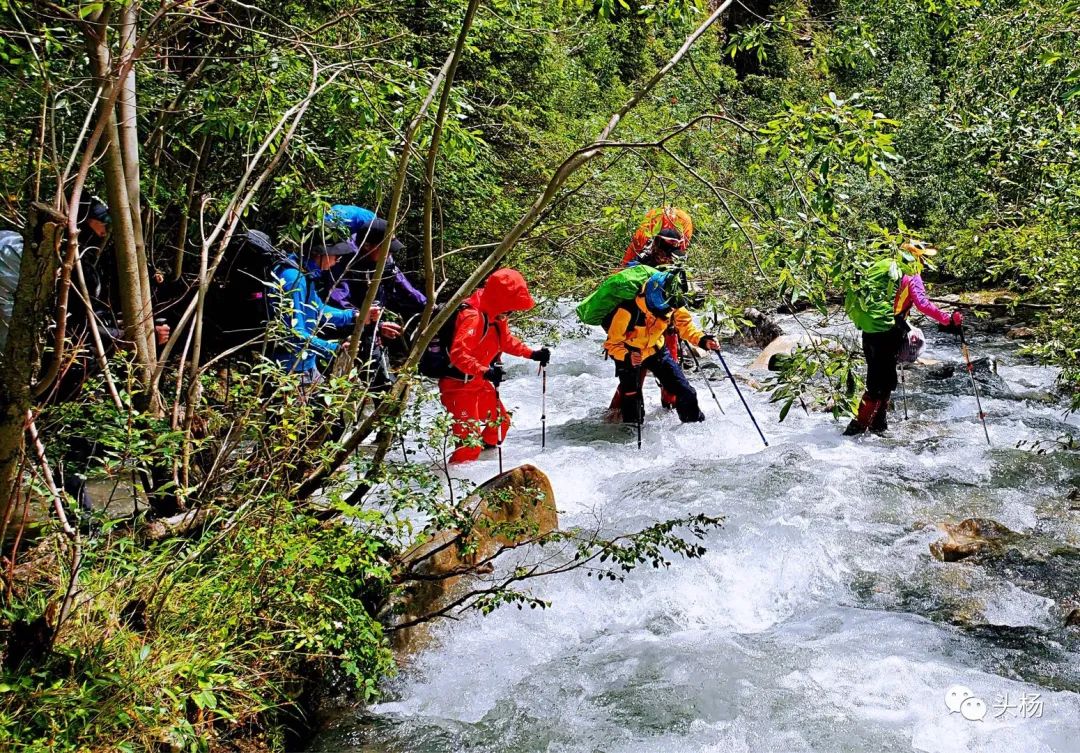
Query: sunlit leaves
{"x": 824, "y": 141}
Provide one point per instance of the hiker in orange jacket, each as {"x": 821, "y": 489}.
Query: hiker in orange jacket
{"x": 635, "y": 340}
{"x": 660, "y": 241}
{"x": 481, "y": 335}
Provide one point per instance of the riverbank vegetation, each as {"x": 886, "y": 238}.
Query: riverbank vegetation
{"x": 805, "y": 137}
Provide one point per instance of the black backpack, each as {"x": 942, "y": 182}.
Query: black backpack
{"x": 238, "y": 302}
{"x": 435, "y": 363}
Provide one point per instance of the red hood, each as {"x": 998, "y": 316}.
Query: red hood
{"x": 504, "y": 291}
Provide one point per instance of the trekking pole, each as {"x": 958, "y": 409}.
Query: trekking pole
{"x": 641, "y": 406}
{"x": 739, "y": 393}
{"x": 974, "y": 385}
{"x": 903, "y": 389}
{"x": 708, "y": 383}
{"x": 374, "y": 336}
{"x": 498, "y": 413}
{"x": 543, "y": 406}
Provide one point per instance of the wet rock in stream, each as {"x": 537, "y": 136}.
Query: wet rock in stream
{"x": 951, "y": 378}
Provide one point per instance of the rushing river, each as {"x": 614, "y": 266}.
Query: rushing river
{"x": 817, "y": 621}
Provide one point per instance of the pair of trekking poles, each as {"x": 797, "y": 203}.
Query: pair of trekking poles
{"x": 708, "y": 383}
{"x": 971, "y": 376}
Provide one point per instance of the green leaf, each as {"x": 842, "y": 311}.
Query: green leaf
{"x": 90, "y": 9}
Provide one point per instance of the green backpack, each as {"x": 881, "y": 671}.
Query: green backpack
{"x": 620, "y": 287}
{"x": 869, "y": 302}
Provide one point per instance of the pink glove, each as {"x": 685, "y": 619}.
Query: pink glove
{"x": 957, "y": 319}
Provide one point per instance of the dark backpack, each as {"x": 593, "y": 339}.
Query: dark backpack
{"x": 435, "y": 363}
{"x": 238, "y": 301}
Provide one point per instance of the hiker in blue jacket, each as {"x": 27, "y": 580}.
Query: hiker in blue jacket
{"x": 305, "y": 314}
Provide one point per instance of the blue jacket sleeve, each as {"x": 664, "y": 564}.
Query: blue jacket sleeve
{"x": 305, "y": 311}
{"x": 324, "y": 314}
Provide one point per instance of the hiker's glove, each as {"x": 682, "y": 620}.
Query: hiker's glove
{"x": 542, "y": 356}
{"x": 955, "y": 325}
{"x": 389, "y": 330}
{"x": 709, "y": 342}
{"x": 495, "y": 374}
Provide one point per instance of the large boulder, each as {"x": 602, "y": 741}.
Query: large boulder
{"x": 974, "y": 536}
{"x": 1037, "y": 562}
{"x": 1021, "y": 333}
{"x": 951, "y": 378}
{"x": 979, "y": 298}
{"x": 513, "y": 508}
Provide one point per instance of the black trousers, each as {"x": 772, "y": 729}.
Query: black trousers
{"x": 671, "y": 377}
{"x": 881, "y": 350}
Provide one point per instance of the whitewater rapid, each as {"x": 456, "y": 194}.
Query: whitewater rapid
{"x": 817, "y": 621}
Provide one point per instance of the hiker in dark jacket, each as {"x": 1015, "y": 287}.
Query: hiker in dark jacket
{"x": 367, "y": 232}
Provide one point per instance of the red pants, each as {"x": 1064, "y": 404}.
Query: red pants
{"x": 477, "y": 412}
{"x": 671, "y": 342}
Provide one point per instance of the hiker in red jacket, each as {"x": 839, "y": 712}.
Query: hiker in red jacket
{"x": 481, "y": 335}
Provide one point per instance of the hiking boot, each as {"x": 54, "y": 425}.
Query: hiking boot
{"x": 854, "y": 428}
{"x": 880, "y": 420}
{"x": 868, "y": 408}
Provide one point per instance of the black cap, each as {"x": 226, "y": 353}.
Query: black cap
{"x": 317, "y": 248}
{"x": 341, "y": 248}
{"x": 373, "y": 234}
{"x": 260, "y": 240}
{"x": 92, "y": 208}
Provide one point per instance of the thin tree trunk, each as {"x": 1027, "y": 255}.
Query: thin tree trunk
{"x": 129, "y": 151}
{"x": 136, "y": 311}
{"x": 402, "y": 173}
{"x": 429, "y": 166}
{"x": 21, "y": 358}
{"x": 185, "y": 219}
